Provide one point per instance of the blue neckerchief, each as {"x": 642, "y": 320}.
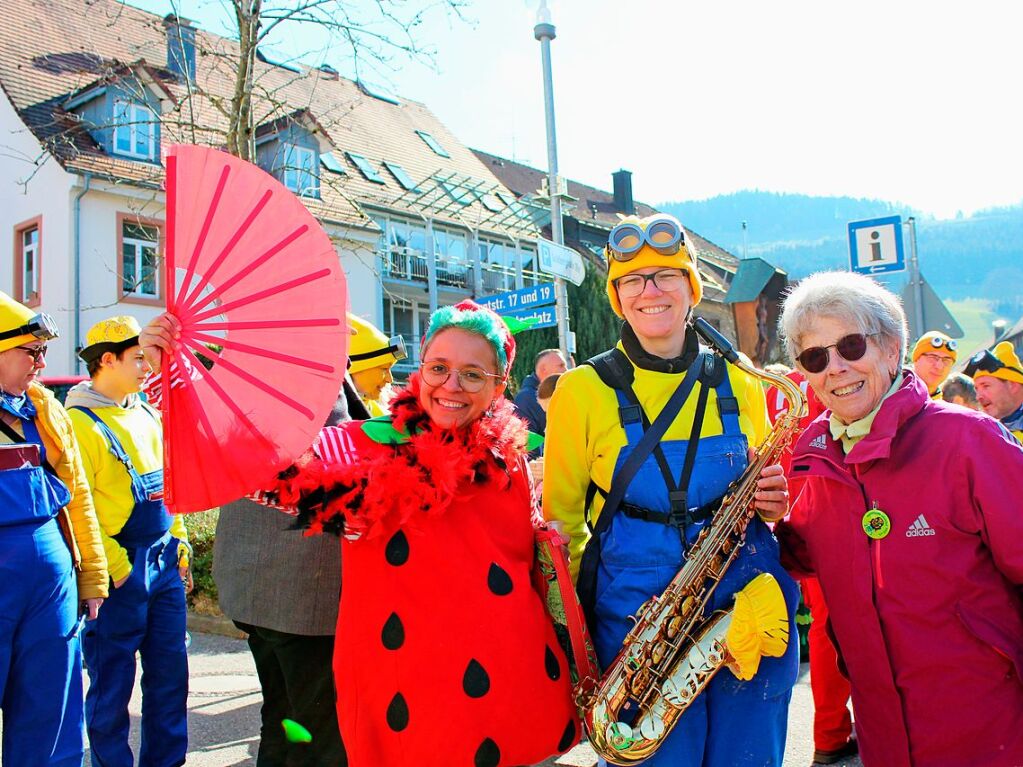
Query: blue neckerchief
{"x": 1014, "y": 421}
{"x": 20, "y": 407}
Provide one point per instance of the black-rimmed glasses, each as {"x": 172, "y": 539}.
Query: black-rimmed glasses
{"x": 35, "y": 352}
{"x": 666, "y": 280}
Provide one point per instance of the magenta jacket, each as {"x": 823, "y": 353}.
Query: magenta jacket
{"x": 928, "y": 620}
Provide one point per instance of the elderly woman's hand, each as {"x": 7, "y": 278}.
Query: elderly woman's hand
{"x": 159, "y": 337}
{"x": 772, "y": 495}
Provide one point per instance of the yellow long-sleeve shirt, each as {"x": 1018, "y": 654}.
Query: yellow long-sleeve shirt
{"x": 584, "y": 436}
{"x": 140, "y": 435}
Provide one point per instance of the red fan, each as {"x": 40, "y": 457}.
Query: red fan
{"x": 260, "y": 294}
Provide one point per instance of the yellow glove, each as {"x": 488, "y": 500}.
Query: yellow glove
{"x": 760, "y": 626}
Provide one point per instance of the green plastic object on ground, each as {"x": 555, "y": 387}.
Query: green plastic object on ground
{"x": 296, "y": 733}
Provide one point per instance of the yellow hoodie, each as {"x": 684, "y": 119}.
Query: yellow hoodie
{"x": 141, "y": 436}
{"x": 79, "y": 515}
{"x": 584, "y": 436}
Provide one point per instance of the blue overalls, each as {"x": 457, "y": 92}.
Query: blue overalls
{"x": 40, "y": 643}
{"x": 145, "y": 615}
{"x": 732, "y": 723}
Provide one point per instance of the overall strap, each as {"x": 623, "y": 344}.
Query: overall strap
{"x": 651, "y": 438}
{"x": 117, "y": 449}
{"x": 728, "y": 405}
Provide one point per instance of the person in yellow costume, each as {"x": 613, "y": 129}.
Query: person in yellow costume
{"x": 933, "y": 356}
{"x": 121, "y": 442}
{"x": 998, "y": 379}
{"x": 371, "y": 356}
{"x": 643, "y": 527}
{"x": 53, "y": 572}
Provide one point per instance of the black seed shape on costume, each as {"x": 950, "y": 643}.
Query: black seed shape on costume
{"x": 396, "y": 551}
{"x": 397, "y": 713}
{"x": 475, "y": 680}
{"x": 393, "y": 635}
{"x": 567, "y": 738}
{"x": 498, "y": 580}
{"x": 487, "y": 755}
{"x": 550, "y": 662}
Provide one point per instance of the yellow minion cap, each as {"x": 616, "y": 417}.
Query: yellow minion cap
{"x": 14, "y": 315}
{"x": 368, "y": 339}
{"x": 926, "y": 344}
{"x": 646, "y": 257}
{"x": 115, "y": 330}
{"x": 1006, "y": 354}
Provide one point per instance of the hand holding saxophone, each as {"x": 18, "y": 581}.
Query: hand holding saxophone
{"x": 772, "y": 495}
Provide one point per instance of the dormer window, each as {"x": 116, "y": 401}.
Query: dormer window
{"x": 134, "y": 130}
{"x": 300, "y": 174}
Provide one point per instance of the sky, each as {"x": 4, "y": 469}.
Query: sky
{"x": 912, "y": 102}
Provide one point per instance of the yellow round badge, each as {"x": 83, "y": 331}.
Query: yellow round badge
{"x": 876, "y": 524}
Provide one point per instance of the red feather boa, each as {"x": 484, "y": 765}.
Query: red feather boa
{"x": 389, "y": 486}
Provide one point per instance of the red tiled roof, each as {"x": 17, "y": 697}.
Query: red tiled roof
{"x": 52, "y": 49}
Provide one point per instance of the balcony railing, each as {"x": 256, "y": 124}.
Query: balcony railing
{"x": 409, "y": 265}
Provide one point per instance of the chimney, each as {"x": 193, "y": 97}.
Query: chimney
{"x": 623, "y": 192}
{"x": 180, "y": 47}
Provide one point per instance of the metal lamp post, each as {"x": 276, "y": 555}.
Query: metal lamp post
{"x": 544, "y": 32}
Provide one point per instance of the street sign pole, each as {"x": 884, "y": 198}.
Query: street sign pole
{"x": 916, "y": 280}
{"x": 544, "y": 33}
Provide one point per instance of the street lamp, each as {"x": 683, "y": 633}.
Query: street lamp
{"x": 544, "y": 33}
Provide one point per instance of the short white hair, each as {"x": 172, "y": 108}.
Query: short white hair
{"x": 845, "y": 296}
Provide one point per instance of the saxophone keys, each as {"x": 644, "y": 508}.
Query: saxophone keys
{"x": 639, "y": 682}
{"x": 671, "y": 693}
{"x": 652, "y": 728}
{"x": 619, "y": 736}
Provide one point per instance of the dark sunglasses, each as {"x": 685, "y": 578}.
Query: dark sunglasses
{"x": 35, "y": 352}
{"x": 850, "y": 348}
{"x": 987, "y": 362}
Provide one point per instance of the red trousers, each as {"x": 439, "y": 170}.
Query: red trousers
{"x": 832, "y": 722}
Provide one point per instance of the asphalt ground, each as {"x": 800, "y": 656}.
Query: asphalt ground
{"x": 224, "y": 701}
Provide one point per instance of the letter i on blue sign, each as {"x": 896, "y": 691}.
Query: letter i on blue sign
{"x": 875, "y": 246}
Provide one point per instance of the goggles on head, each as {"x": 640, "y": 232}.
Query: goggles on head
{"x": 938, "y": 343}
{"x": 395, "y": 347}
{"x": 41, "y": 326}
{"x": 987, "y": 362}
{"x": 663, "y": 235}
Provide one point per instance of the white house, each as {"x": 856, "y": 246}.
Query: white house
{"x": 93, "y": 94}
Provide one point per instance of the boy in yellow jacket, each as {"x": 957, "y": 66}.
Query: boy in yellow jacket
{"x": 122, "y": 449}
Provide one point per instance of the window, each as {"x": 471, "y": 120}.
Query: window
{"x": 331, "y": 163}
{"x": 365, "y": 168}
{"x": 401, "y": 175}
{"x": 491, "y": 203}
{"x": 300, "y": 174}
{"x": 139, "y": 241}
{"x": 134, "y": 130}
{"x": 27, "y": 261}
{"x": 458, "y": 193}
{"x": 432, "y": 143}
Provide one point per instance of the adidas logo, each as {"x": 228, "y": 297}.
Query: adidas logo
{"x": 920, "y": 528}
{"x": 820, "y": 442}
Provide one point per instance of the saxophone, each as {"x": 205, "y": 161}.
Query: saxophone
{"x": 675, "y": 648}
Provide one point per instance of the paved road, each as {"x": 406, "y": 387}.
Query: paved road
{"x": 224, "y": 705}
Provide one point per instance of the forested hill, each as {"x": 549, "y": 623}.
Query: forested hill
{"x": 978, "y": 256}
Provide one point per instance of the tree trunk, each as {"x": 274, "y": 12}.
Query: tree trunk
{"x": 241, "y": 134}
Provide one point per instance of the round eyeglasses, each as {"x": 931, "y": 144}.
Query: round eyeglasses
{"x": 471, "y": 379}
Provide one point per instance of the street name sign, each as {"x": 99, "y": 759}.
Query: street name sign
{"x": 525, "y": 298}
{"x": 546, "y": 316}
{"x": 875, "y": 245}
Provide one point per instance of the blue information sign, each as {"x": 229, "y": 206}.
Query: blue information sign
{"x": 510, "y": 303}
{"x": 875, "y": 245}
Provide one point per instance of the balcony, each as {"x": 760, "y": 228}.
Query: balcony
{"x": 409, "y": 265}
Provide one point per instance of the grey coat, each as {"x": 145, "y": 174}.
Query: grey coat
{"x": 270, "y": 576}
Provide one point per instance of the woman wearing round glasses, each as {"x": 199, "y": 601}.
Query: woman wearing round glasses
{"x": 53, "y": 572}
{"x": 909, "y": 516}
{"x": 597, "y": 419}
{"x": 445, "y": 655}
